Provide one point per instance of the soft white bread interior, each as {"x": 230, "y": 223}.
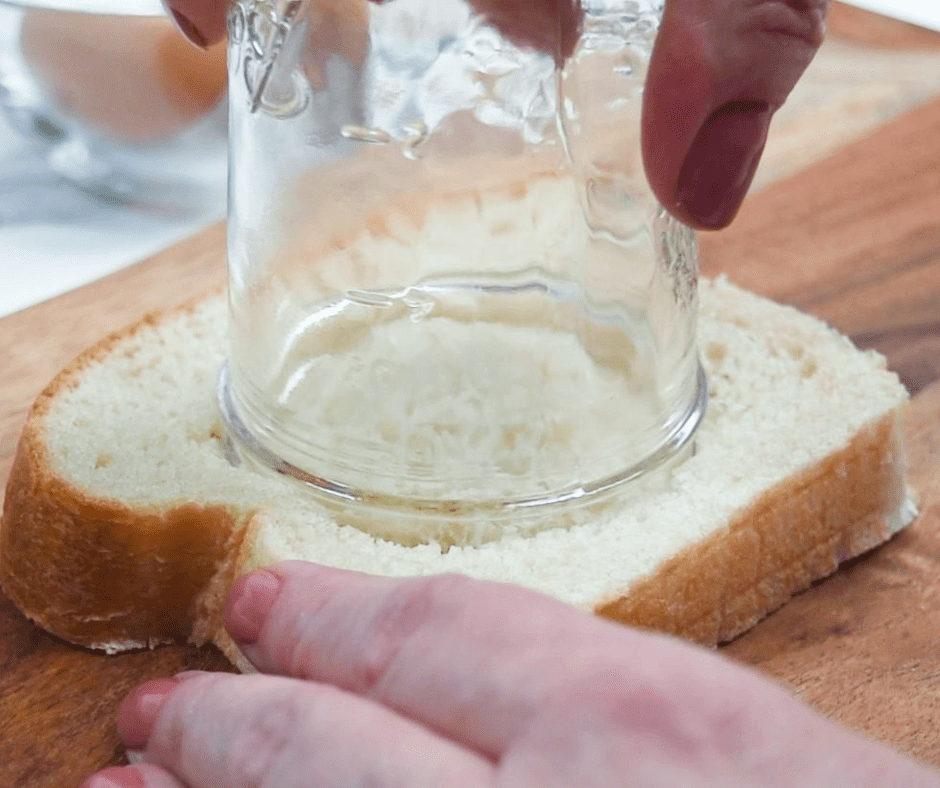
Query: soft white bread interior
{"x": 124, "y": 522}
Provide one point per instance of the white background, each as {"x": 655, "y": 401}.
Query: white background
{"x": 925, "y": 13}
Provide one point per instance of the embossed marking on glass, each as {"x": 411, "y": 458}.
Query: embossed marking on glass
{"x": 452, "y": 292}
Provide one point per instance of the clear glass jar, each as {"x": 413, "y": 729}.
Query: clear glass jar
{"x": 456, "y": 305}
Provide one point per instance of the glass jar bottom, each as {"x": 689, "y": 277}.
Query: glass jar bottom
{"x": 468, "y": 518}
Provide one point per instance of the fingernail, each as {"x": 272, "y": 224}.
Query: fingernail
{"x": 185, "y": 25}
{"x": 139, "y": 710}
{"x": 721, "y": 163}
{"x": 115, "y": 777}
{"x": 249, "y": 603}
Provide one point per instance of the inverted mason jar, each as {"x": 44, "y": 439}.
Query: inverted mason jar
{"x": 456, "y": 305}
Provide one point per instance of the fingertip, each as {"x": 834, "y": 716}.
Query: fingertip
{"x": 144, "y": 776}
{"x": 720, "y": 165}
{"x": 115, "y": 777}
{"x": 676, "y": 99}
{"x": 252, "y": 596}
{"x": 138, "y": 712}
{"x": 248, "y": 603}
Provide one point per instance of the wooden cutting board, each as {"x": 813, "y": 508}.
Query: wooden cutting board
{"x": 854, "y": 238}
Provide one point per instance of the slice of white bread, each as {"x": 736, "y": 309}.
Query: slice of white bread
{"x": 124, "y": 523}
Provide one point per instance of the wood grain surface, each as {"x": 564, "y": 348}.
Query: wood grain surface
{"x": 854, "y": 238}
{"x": 874, "y": 30}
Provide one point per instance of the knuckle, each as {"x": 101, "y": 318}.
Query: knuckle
{"x": 445, "y": 590}
{"x": 172, "y": 738}
{"x": 668, "y": 703}
{"x": 264, "y": 736}
{"x": 416, "y": 605}
{"x": 762, "y": 47}
{"x": 802, "y": 21}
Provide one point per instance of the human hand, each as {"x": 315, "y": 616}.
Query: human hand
{"x": 447, "y": 681}
{"x": 719, "y": 71}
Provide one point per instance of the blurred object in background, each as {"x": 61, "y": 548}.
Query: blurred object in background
{"x": 117, "y": 101}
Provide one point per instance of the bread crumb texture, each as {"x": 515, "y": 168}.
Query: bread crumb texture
{"x": 797, "y": 464}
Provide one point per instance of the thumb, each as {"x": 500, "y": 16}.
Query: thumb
{"x": 719, "y": 70}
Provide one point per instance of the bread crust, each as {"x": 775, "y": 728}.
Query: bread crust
{"x": 101, "y": 574}
{"x": 796, "y": 533}
{"x": 96, "y": 572}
